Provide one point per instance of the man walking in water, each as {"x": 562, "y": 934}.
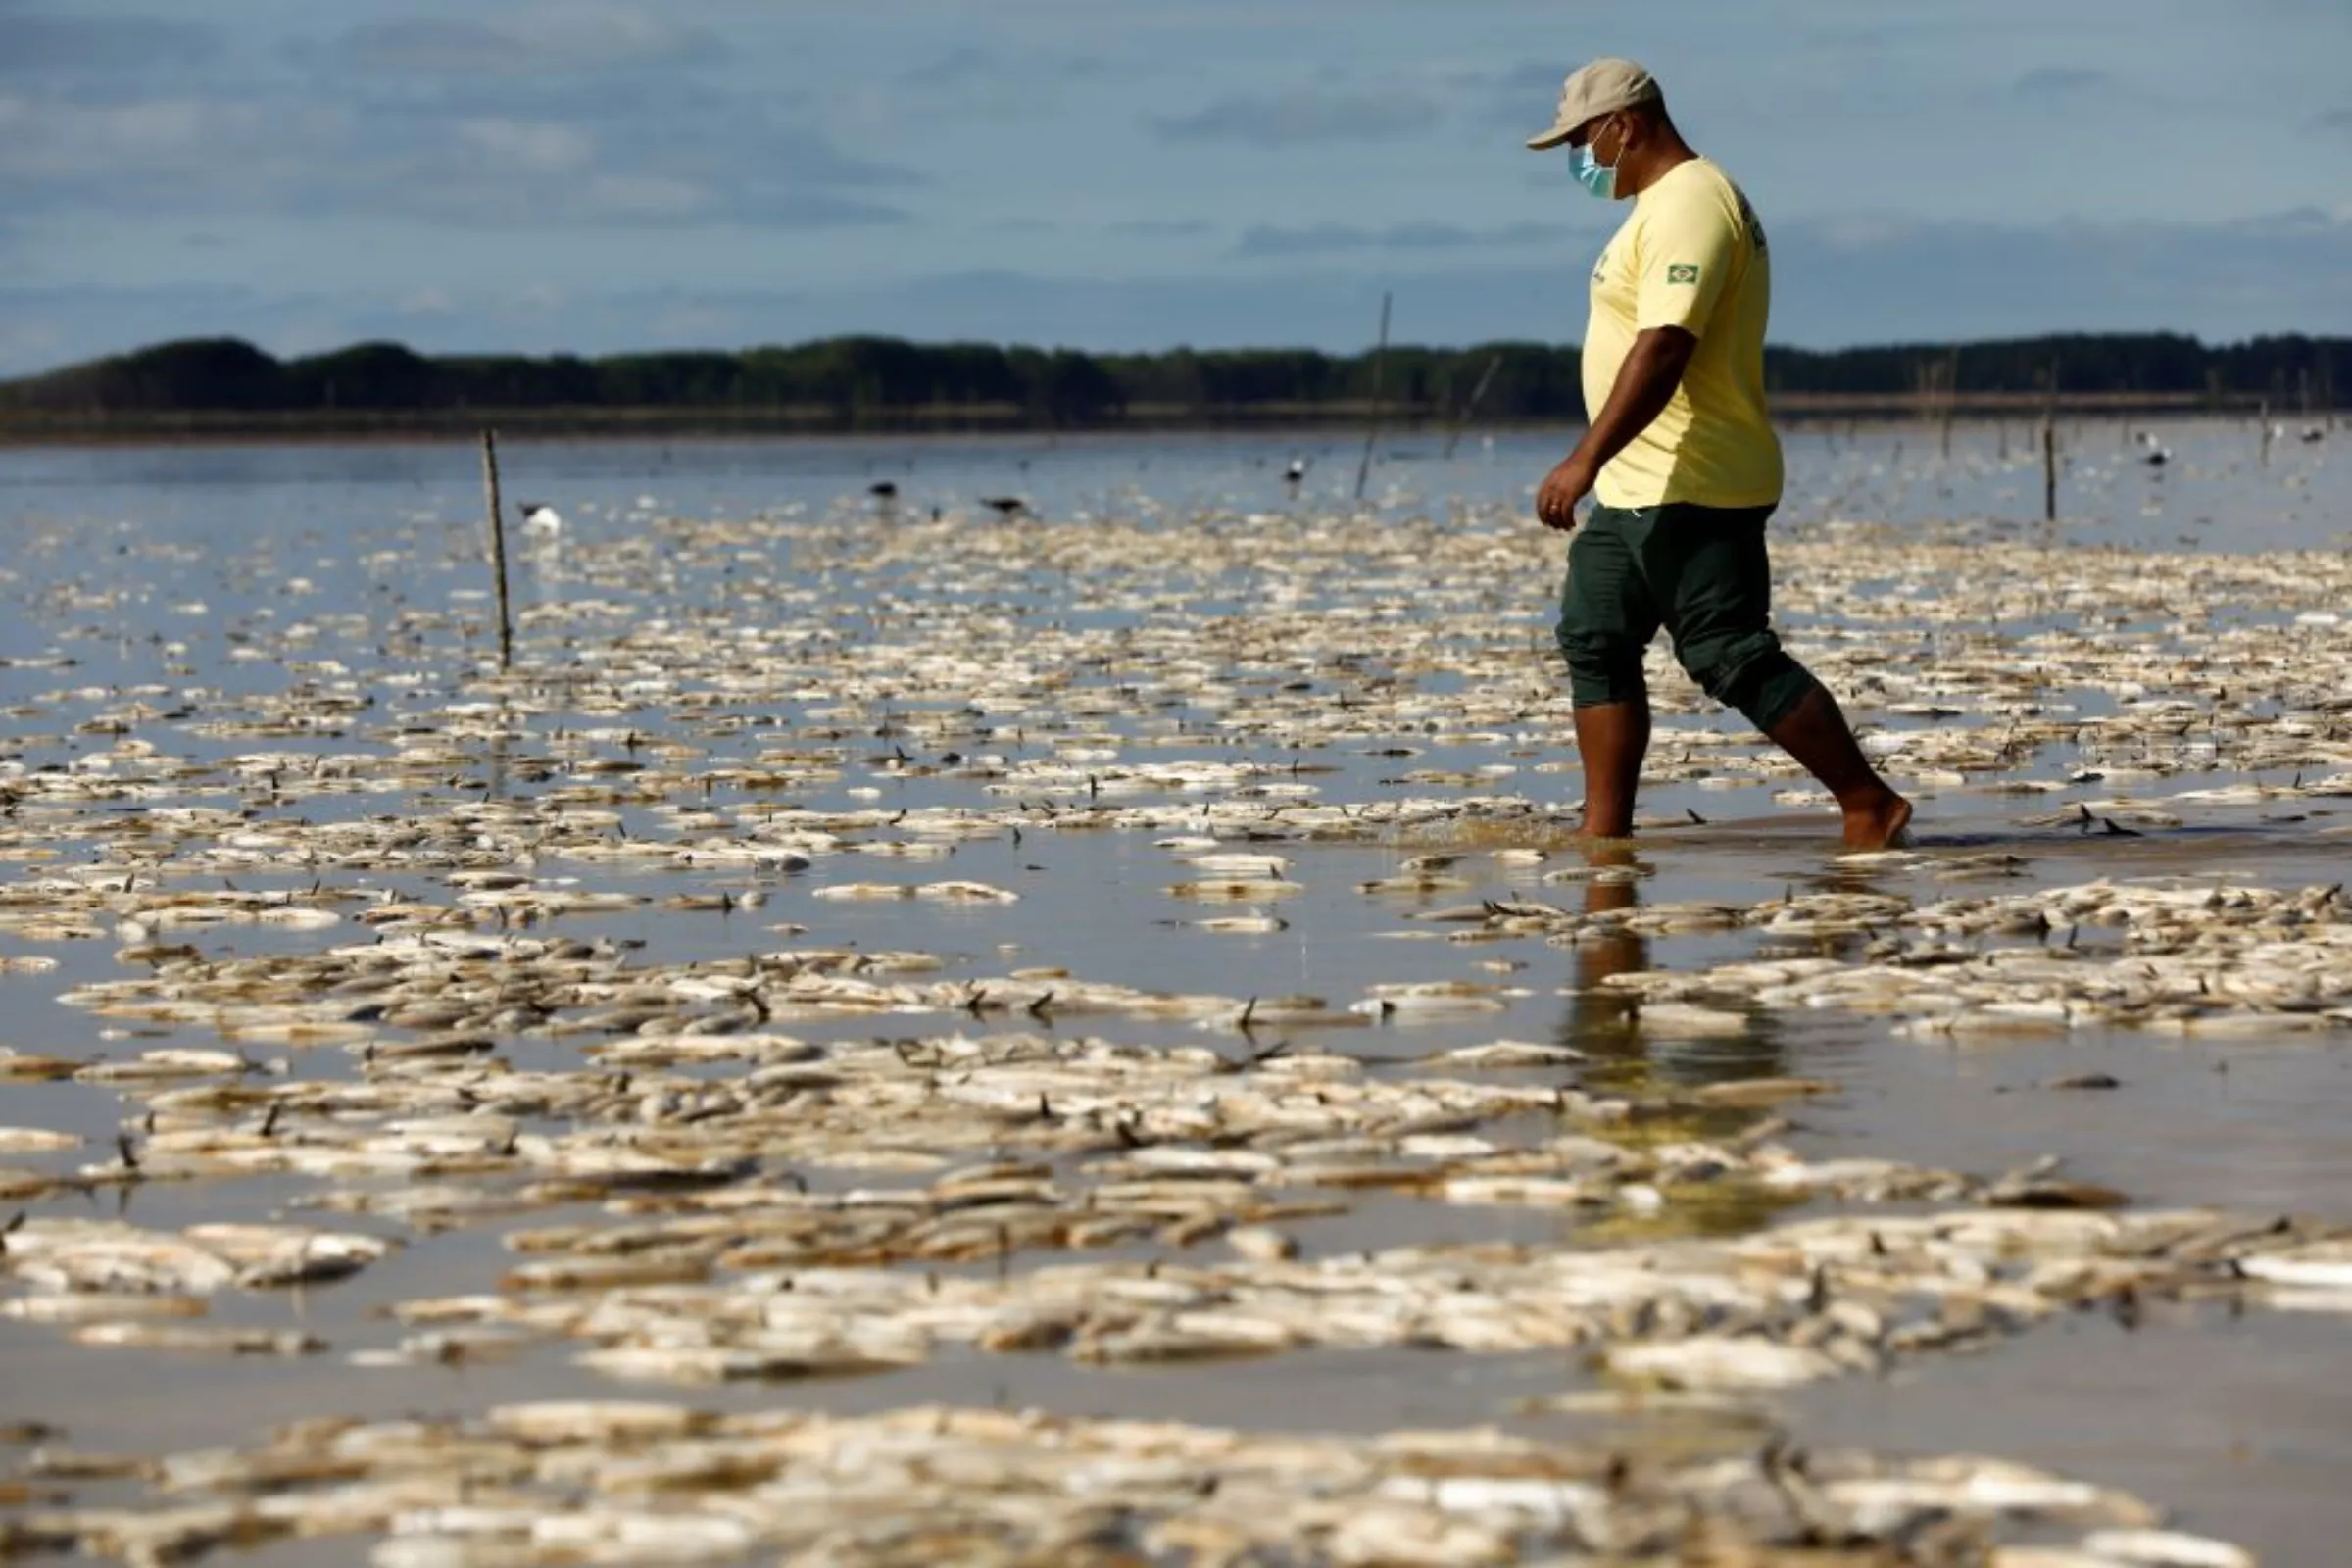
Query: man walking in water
{"x": 1681, "y": 459}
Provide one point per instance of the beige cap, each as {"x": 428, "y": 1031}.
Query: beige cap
{"x": 1601, "y": 87}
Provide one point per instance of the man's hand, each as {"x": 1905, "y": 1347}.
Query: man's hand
{"x": 1561, "y": 490}
{"x": 1645, "y": 382}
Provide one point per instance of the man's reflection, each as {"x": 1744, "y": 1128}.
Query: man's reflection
{"x": 1604, "y": 1021}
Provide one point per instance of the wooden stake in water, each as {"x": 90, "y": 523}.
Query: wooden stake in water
{"x": 2049, "y": 445}
{"x": 1380, "y": 356}
{"x": 2265, "y": 418}
{"x": 497, "y": 549}
{"x": 2049, "y": 471}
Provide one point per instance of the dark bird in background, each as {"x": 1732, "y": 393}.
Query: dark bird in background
{"x": 2153, "y": 451}
{"x": 1295, "y": 472}
{"x": 882, "y": 489}
{"x": 1004, "y": 505}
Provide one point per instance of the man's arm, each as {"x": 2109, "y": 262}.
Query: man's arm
{"x": 1645, "y": 385}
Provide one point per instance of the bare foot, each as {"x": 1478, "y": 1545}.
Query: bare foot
{"x": 1879, "y": 823}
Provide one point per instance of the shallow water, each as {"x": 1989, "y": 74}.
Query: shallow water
{"x": 225, "y": 572}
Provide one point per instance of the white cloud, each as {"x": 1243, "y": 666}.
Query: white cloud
{"x": 1336, "y": 238}
{"x": 286, "y": 154}
{"x": 2059, "y": 81}
{"x": 1285, "y": 120}
{"x": 535, "y": 145}
{"x": 653, "y": 197}
{"x": 67, "y": 140}
{"x": 48, "y": 46}
{"x": 548, "y": 37}
{"x": 598, "y": 37}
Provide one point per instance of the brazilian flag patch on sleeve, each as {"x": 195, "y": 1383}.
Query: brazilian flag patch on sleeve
{"x": 1682, "y": 271}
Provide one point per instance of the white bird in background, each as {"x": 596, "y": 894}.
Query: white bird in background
{"x": 2313, "y": 432}
{"x": 2153, "y": 451}
{"x": 1295, "y": 472}
{"x": 541, "y": 518}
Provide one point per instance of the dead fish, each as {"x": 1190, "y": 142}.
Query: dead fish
{"x": 1759, "y": 1091}
{"x": 1716, "y": 1361}
{"x": 1506, "y": 1055}
{"x": 199, "y": 1340}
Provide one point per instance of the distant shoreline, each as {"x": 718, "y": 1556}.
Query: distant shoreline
{"x": 19, "y": 429}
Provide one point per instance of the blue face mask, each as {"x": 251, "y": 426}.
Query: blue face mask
{"x": 1598, "y": 179}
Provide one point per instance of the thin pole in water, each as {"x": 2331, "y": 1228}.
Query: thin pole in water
{"x": 1462, "y": 418}
{"x": 497, "y": 549}
{"x": 2050, "y": 449}
{"x": 1380, "y": 356}
{"x": 2049, "y": 473}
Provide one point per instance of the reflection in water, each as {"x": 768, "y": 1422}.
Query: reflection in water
{"x": 1601, "y": 1019}
{"x": 1604, "y": 1021}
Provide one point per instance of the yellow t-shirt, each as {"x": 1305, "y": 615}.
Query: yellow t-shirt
{"x": 1689, "y": 255}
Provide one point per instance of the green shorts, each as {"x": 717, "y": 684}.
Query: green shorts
{"x": 1701, "y": 572}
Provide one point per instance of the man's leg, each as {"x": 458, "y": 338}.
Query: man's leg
{"x": 1721, "y": 611}
{"x": 1607, "y": 618}
{"x": 1815, "y": 733}
{"x": 1612, "y": 739}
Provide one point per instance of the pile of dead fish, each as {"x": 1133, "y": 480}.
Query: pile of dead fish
{"x": 683, "y": 958}
{"x": 116, "y": 1285}
{"x": 587, "y": 1482}
{"x": 2193, "y": 956}
{"x": 1788, "y": 1305}
{"x": 714, "y": 1154}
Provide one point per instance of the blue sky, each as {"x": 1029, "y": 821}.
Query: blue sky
{"x": 534, "y": 175}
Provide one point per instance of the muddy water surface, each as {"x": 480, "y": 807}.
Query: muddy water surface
{"x": 152, "y": 593}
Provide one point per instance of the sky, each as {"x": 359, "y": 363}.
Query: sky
{"x": 552, "y": 175}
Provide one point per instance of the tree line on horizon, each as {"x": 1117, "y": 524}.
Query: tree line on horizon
{"x": 851, "y": 383}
